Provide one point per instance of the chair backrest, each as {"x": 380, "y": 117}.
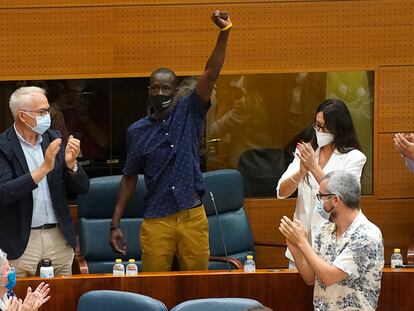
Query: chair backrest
{"x": 111, "y": 300}
{"x": 227, "y": 189}
{"x": 95, "y": 211}
{"x": 214, "y": 304}
{"x": 261, "y": 169}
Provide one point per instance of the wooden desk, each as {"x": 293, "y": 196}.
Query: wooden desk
{"x": 280, "y": 290}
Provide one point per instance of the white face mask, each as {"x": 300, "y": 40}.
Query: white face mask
{"x": 324, "y": 214}
{"x": 42, "y": 123}
{"x": 324, "y": 139}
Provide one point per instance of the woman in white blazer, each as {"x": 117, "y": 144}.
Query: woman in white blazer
{"x": 333, "y": 146}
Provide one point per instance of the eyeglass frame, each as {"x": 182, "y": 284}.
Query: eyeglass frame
{"x": 42, "y": 112}
{"x": 317, "y": 127}
{"x": 320, "y": 195}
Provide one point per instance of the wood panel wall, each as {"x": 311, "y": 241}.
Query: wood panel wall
{"x": 45, "y": 39}
{"x": 280, "y": 290}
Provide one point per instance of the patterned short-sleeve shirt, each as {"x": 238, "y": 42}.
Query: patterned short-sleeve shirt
{"x": 360, "y": 253}
{"x": 167, "y": 152}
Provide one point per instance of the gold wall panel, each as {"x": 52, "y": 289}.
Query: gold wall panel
{"x": 264, "y": 217}
{"x": 50, "y": 42}
{"x": 267, "y": 37}
{"x": 394, "y": 179}
{"x": 395, "y": 218}
{"x": 396, "y": 99}
{"x": 271, "y": 257}
{"x": 100, "y": 3}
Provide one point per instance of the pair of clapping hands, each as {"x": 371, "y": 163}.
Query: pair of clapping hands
{"x": 293, "y": 231}
{"x": 33, "y": 300}
{"x": 306, "y": 154}
{"x": 405, "y": 144}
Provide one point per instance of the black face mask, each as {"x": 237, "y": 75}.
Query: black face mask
{"x": 160, "y": 103}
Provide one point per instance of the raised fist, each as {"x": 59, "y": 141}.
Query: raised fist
{"x": 221, "y": 19}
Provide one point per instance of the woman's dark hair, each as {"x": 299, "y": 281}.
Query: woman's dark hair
{"x": 339, "y": 122}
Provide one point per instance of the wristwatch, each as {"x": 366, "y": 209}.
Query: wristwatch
{"x": 74, "y": 169}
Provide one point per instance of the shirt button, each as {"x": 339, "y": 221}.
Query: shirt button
{"x": 172, "y": 146}
{"x": 172, "y": 187}
{"x": 166, "y": 134}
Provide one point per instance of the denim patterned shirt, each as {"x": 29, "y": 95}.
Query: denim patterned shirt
{"x": 360, "y": 253}
{"x": 167, "y": 152}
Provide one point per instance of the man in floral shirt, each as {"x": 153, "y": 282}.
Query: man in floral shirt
{"x": 347, "y": 258}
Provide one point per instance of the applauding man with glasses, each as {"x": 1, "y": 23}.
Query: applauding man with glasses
{"x": 36, "y": 170}
{"x": 346, "y": 261}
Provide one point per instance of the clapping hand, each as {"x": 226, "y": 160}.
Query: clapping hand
{"x": 13, "y": 304}
{"x": 51, "y": 152}
{"x": 72, "y": 151}
{"x": 405, "y": 144}
{"x": 306, "y": 155}
{"x": 34, "y": 300}
{"x": 294, "y": 231}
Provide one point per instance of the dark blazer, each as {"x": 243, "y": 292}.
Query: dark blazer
{"x": 16, "y": 200}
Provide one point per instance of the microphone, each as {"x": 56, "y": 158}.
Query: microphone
{"x": 404, "y": 266}
{"x": 221, "y": 232}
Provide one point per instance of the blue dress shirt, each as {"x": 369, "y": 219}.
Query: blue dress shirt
{"x": 167, "y": 152}
{"x": 43, "y": 212}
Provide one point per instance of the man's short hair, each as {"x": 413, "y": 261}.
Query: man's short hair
{"x": 346, "y": 186}
{"x": 3, "y": 258}
{"x": 21, "y": 98}
{"x": 164, "y": 70}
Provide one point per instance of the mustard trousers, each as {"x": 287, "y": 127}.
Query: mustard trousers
{"x": 184, "y": 234}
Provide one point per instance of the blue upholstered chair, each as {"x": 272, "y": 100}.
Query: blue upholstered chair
{"x": 227, "y": 188}
{"x": 96, "y": 207}
{"x": 95, "y": 211}
{"x": 111, "y": 300}
{"x": 214, "y": 304}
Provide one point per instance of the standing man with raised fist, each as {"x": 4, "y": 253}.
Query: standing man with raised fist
{"x": 165, "y": 146}
{"x": 36, "y": 169}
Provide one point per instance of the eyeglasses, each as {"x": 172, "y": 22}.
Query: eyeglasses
{"x": 41, "y": 112}
{"x": 319, "y": 195}
{"x": 319, "y": 127}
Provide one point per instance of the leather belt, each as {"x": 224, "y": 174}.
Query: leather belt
{"x": 45, "y": 226}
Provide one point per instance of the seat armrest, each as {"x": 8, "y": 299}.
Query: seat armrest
{"x": 232, "y": 261}
{"x": 79, "y": 265}
{"x": 410, "y": 251}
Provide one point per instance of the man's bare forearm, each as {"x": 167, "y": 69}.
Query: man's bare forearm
{"x": 216, "y": 59}
{"x": 327, "y": 273}
{"x": 304, "y": 269}
{"x": 125, "y": 193}
{"x": 213, "y": 67}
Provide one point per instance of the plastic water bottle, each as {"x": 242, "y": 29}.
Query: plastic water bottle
{"x": 249, "y": 264}
{"x": 118, "y": 269}
{"x": 396, "y": 259}
{"x": 46, "y": 269}
{"x": 131, "y": 268}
